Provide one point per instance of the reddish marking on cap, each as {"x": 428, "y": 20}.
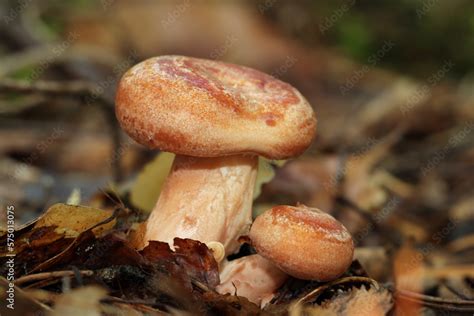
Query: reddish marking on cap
{"x": 269, "y": 118}
{"x": 212, "y": 79}
{"x": 270, "y": 122}
{"x": 308, "y": 217}
{"x": 289, "y": 97}
{"x": 286, "y": 93}
{"x": 258, "y": 78}
{"x": 197, "y": 77}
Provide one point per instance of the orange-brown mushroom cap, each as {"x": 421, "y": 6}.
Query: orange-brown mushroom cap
{"x": 205, "y": 108}
{"x": 304, "y": 242}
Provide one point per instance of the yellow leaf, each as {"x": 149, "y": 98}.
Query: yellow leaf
{"x": 265, "y": 173}
{"x": 147, "y": 187}
{"x": 74, "y": 219}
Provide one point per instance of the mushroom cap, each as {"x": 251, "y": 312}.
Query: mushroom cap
{"x": 304, "y": 242}
{"x": 206, "y": 108}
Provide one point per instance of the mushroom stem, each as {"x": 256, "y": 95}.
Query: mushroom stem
{"x": 206, "y": 199}
{"x": 253, "y": 277}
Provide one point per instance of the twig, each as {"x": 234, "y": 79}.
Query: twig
{"x": 17, "y": 106}
{"x": 429, "y": 298}
{"x": 66, "y": 88}
{"x": 446, "y": 284}
{"x": 436, "y": 302}
{"x": 40, "y": 284}
{"x": 144, "y": 306}
{"x": 43, "y": 54}
{"x": 84, "y": 90}
{"x": 120, "y": 300}
{"x": 48, "y": 275}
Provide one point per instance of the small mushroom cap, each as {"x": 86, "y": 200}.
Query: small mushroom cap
{"x": 304, "y": 242}
{"x": 205, "y": 108}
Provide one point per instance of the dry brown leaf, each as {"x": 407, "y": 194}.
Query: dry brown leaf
{"x": 191, "y": 258}
{"x": 53, "y": 238}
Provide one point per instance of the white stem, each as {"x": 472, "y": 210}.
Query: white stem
{"x": 207, "y": 199}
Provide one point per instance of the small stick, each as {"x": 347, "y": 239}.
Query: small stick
{"x": 76, "y": 88}
{"x": 446, "y": 284}
{"x": 47, "y": 275}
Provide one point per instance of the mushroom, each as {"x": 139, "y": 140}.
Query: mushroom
{"x": 253, "y": 277}
{"x": 304, "y": 242}
{"x": 217, "y": 118}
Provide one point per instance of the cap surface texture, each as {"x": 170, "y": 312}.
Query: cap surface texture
{"x": 205, "y": 108}
{"x": 304, "y": 242}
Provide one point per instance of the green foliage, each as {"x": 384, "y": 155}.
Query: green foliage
{"x": 426, "y": 33}
{"x": 355, "y": 38}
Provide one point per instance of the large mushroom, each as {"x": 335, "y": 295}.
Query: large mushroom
{"x": 217, "y": 118}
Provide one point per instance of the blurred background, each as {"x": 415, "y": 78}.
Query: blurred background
{"x": 391, "y": 84}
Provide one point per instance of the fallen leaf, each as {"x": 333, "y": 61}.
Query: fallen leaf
{"x": 89, "y": 252}
{"x": 34, "y": 247}
{"x": 74, "y": 219}
{"x": 191, "y": 256}
{"x": 52, "y": 237}
{"x": 147, "y": 187}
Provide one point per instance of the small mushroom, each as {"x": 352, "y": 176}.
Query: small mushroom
{"x": 304, "y": 242}
{"x": 253, "y": 277}
{"x": 217, "y": 117}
